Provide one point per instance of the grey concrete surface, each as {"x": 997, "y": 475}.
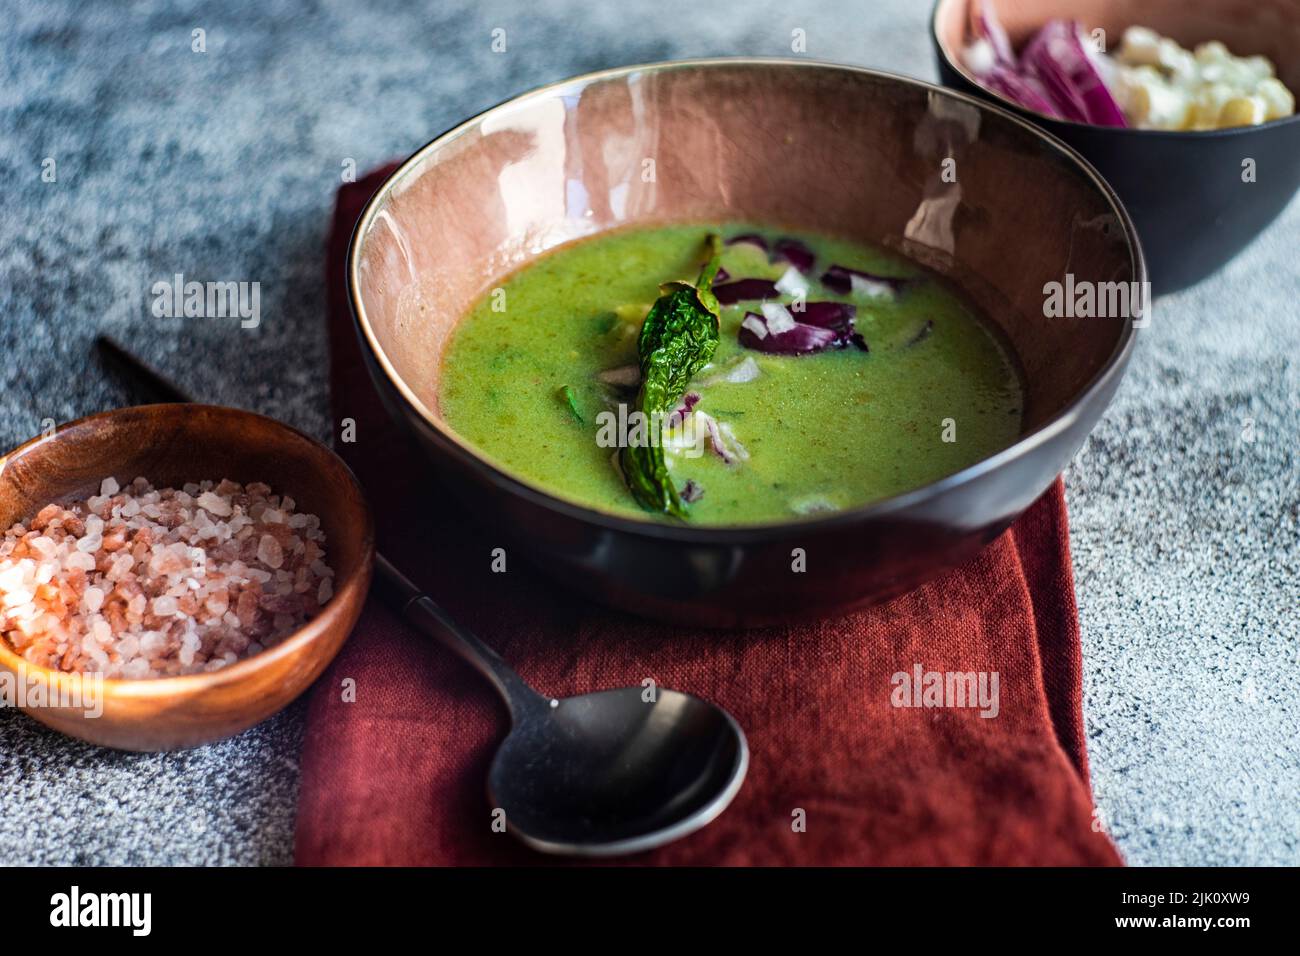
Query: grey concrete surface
{"x": 223, "y": 165}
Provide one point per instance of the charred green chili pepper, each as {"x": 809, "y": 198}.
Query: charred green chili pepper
{"x": 677, "y": 340}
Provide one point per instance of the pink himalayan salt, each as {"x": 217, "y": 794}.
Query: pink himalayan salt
{"x": 137, "y": 582}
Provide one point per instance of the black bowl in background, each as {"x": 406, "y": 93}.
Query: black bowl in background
{"x": 1185, "y": 191}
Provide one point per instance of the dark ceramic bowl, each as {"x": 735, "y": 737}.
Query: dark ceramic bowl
{"x": 1185, "y": 191}
{"x": 792, "y": 143}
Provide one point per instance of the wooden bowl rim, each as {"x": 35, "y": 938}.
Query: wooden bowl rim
{"x": 190, "y": 684}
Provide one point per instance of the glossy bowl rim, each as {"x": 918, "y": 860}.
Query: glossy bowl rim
{"x": 738, "y": 534}
{"x": 1133, "y": 131}
{"x": 143, "y": 688}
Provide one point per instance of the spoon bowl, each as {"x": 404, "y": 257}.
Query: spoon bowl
{"x": 617, "y": 771}
{"x": 602, "y": 774}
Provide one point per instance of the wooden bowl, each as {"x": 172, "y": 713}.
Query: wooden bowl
{"x": 171, "y": 445}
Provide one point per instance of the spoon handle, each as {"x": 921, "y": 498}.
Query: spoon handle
{"x": 420, "y": 610}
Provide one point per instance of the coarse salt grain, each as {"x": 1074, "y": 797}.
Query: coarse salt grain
{"x": 141, "y": 582}
{"x": 43, "y": 546}
{"x": 215, "y": 504}
{"x": 269, "y": 551}
{"x": 79, "y": 559}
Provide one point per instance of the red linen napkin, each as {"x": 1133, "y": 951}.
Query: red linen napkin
{"x": 398, "y": 776}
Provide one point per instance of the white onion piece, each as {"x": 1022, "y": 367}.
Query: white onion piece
{"x": 980, "y": 57}
{"x": 813, "y": 504}
{"x": 716, "y": 440}
{"x": 739, "y": 450}
{"x": 871, "y": 287}
{"x": 755, "y": 325}
{"x": 745, "y": 370}
{"x": 681, "y": 437}
{"x": 623, "y": 375}
{"x": 792, "y": 283}
{"x": 778, "y": 318}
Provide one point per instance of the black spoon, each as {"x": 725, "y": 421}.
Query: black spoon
{"x": 611, "y": 772}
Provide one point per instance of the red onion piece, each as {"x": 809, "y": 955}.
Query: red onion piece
{"x": 1055, "y": 74}
{"x": 843, "y": 280}
{"x": 689, "y": 401}
{"x": 785, "y": 249}
{"x": 794, "y": 252}
{"x": 1039, "y": 61}
{"x": 749, "y": 239}
{"x": 691, "y": 491}
{"x": 990, "y": 28}
{"x": 802, "y": 339}
{"x": 1103, "y": 108}
{"x": 1057, "y": 58}
{"x": 743, "y": 290}
{"x": 1028, "y": 91}
{"x": 837, "y": 316}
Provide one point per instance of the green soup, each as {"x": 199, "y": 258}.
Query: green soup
{"x": 536, "y": 371}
